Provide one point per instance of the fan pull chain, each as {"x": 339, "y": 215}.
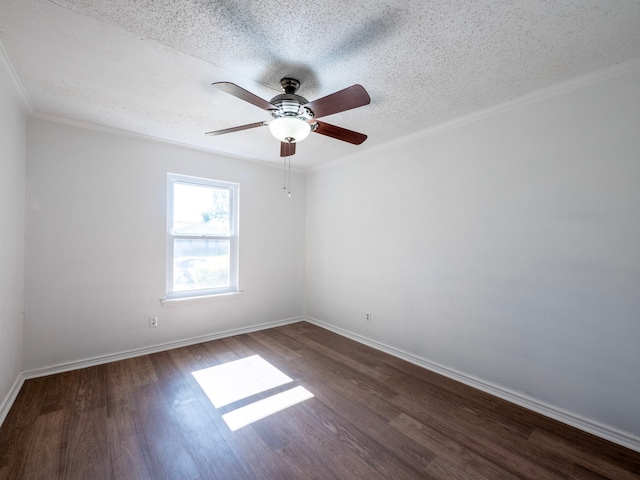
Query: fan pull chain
{"x": 289, "y": 182}
{"x": 284, "y": 173}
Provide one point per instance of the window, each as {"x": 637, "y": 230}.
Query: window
{"x": 202, "y": 237}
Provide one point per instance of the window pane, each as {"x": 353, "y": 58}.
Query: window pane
{"x": 200, "y": 264}
{"x": 200, "y": 210}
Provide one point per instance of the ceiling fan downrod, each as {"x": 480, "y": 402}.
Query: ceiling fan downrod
{"x": 289, "y": 85}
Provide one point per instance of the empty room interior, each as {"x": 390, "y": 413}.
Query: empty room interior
{"x": 367, "y": 240}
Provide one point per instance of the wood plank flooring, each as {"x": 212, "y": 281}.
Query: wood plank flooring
{"x": 372, "y": 416}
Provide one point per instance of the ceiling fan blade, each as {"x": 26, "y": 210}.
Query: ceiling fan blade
{"x": 351, "y": 97}
{"x": 236, "y": 129}
{"x": 242, "y": 94}
{"x": 287, "y": 149}
{"x": 340, "y": 133}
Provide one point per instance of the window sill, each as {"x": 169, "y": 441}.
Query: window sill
{"x": 176, "y": 302}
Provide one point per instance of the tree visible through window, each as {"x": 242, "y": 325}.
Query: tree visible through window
{"x": 202, "y": 236}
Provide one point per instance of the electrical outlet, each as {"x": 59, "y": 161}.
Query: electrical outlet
{"x": 153, "y": 322}
{"x": 367, "y": 317}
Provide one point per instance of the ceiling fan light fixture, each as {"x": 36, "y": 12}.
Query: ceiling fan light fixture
{"x": 286, "y": 128}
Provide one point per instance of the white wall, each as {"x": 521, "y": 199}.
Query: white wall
{"x": 12, "y": 226}
{"x": 95, "y": 249}
{"x": 507, "y": 249}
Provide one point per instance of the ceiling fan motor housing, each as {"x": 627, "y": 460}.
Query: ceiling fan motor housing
{"x": 290, "y": 105}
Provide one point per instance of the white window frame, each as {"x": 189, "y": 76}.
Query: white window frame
{"x": 233, "y": 237}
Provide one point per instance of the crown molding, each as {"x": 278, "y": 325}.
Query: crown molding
{"x": 15, "y": 85}
{"x": 568, "y": 86}
{"x": 150, "y": 138}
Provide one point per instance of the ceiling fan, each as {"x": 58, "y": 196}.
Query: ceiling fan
{"x": 294, "y": 117}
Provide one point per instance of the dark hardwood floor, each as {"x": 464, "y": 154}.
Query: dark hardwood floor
{"x": 372, "y": 416}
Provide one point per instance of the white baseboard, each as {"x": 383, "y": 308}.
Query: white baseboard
{"x": 101, "y": 359}
{"x": 603, "y": 431}
{"x": 6, "y": 404}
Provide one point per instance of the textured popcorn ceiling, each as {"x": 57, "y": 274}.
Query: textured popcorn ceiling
{"x": 146, "y": 65}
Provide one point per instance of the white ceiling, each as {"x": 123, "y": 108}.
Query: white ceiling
{"x": 146, "y": 66}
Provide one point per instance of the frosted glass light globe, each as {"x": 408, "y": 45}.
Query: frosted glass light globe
{"x": 289, "y": 127}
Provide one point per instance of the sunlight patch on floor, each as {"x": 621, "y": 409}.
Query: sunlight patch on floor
{"x": 268, "y": 406}
{"x": 240, "y": 379}
{"x": 233, "y": 381}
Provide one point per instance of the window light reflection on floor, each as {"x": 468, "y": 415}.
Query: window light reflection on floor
{"x": 267, "y": 406}
{"x": 240, "y": 379}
